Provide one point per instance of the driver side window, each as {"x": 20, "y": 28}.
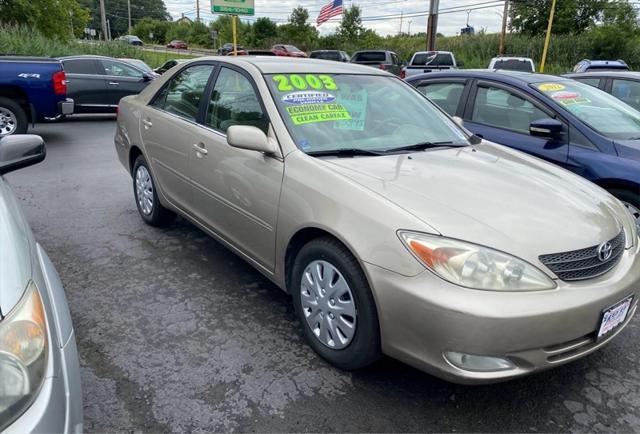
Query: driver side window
{"x": 503, "y": 109}
{"x": 183, "y": 93}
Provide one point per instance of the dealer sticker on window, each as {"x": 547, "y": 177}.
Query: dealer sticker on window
{"x": 312, "y": 113}
{"x": 614, "y": 316}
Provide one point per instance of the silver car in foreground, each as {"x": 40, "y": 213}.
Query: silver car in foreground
{"x": 394, "y": 230}
{"x": 39, "y": 368}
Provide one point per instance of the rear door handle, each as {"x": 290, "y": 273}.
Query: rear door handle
{"x": 113, "y": 83}
{"x": 199, "y": 148}
{"x": 147, "y": 124}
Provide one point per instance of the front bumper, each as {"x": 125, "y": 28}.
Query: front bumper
{"x": 423, "y": 317}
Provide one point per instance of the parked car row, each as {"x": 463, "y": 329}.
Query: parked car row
{"x": 399, "y": 215}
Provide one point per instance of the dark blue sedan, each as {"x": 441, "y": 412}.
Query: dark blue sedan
{"x": 569, "y": 123}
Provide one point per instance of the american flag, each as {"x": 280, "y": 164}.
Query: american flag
{"x": 330, "y": 10}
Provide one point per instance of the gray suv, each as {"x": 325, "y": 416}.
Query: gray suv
{"x": 385, "y": 60}
{"x": 39, "y": 368}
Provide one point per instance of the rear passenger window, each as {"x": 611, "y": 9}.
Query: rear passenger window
{"x": 503, "y": 109}
{"x": 595, "y": 82}
{"x": 628, "y": 91}
{"x": 445, "y": 95}
{"x": 80, "y": 66}
{"x": 183, "y": 93}
{"x": 234, "y": 102}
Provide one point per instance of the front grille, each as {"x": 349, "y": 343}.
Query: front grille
{"x": 584, "y": 263}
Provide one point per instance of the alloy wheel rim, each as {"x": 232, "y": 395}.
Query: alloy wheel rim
{"x": 635, "y": 212}
{"x": 328, "y": 304}
{"x": 144, "y": 190}
{"x": 8, "y": 122}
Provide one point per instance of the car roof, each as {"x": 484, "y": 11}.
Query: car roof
{"x": 86, "y": 56}
{"x": 505, "y": 76}
{"x": 511, "y": 58}
{"x": 277, "y": 64}
{"x": 374, "y": 51}
{"x": 432, "y": 51}
{"x": 614, "y": 74}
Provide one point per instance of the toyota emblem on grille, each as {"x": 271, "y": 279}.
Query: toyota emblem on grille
{"x": 604, "y": 251}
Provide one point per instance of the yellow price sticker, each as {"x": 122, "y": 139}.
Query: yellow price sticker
{"x": 550, "y": 87}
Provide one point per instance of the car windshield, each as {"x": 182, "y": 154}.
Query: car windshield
{"x": 514, "y": 65}
{"x": 291, "y": 48}
{"x": 140, "y": 64}
{"x": 599, "y": 110}
{"x": 371, "y": 56}
{"x": 326, "y": 112}
{"x": 432, "y": 58}
{"x": 326, "y": 55}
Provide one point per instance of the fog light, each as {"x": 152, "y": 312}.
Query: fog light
{"x": 469, "y": 362}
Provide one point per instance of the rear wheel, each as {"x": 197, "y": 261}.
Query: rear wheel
{"x": 335, "y": 305}
{"x": 144, "y": 189}
{"x": 13, "y": 119}
{"x": 631, "y": 201}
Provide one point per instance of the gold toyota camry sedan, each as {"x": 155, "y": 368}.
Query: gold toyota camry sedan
{"x": 394, "y": 229}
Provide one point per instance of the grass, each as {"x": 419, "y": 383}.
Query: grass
{"x": 28, "y": 42}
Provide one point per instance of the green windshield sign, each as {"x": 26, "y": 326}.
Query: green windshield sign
{"x": 235, "y": 7}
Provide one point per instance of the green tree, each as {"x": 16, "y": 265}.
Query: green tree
{"x": 615, "y": 35}
{"x": 351, "y": 28}
{"x": 148, "y": 26}
{"x": 571, "y": 16}
{"x": 264, "y": 30}
{"x": 297, "y": 31}
{"x": 54, "y": 19}
{"x": 117, "y": 13}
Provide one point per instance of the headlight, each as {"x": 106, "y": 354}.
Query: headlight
{"x": 473, "y": 266}
{"x": 23, "y": 355}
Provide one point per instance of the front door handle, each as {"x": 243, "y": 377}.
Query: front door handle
{"x": 113, "y": 83}
{"x": 147, "y": 124}
{"x": 200, "y": 149}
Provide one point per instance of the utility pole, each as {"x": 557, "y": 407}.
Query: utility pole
{"x": 401, "y": 16}
{"x": 547, "y": 39}
{"x": 432, "y": 25}
{"x": 505, "y": 13}
{"x": 197, "y": 10}
{"x": 129, "y": 10}
{"x": 103, "y": 20}
{"x": 409, "y": 31}
{"x": 108, "y": 30}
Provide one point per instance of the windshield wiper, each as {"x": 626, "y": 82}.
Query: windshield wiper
{"x": 348, "y": 152}
{"x": 422, "y": 146}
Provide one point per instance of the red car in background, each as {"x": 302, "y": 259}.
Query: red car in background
{"x": 177, "y": 44}
{"x": 288, "y": 50}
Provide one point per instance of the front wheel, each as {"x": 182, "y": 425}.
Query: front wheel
{"x": 631, "y": 200}
{"x": 144, "y": 189}
{"x": 335, "y": 305}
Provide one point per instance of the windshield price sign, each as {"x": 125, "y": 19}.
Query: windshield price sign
{"x": 235, "y": 7}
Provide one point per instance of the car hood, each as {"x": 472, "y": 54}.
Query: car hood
{"x": 15, "y": 250}
{"x": 493, "y": 196}
{"x": 628, "y": 149}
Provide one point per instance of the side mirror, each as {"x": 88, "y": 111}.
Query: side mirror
{"x": 147, "y": 77}
{"x": 20, "y": 151}
{"x": 549, "y": 128}
{"x": 458, "y": 120}
{"x": 250, "y": 138}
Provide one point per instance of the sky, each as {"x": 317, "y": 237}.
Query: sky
{"x": 485, "y": 14}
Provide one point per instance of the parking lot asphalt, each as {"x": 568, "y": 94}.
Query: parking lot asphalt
{"x": 176, "y": 333}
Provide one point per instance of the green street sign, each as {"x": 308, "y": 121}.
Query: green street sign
{"x": 233, "y": 7}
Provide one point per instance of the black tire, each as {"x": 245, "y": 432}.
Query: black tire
{"x": 159, "y": 215}
{"x": 364, "y": 348}
{"x": 629, "y": 196}
{"x": 22, "y": 122}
